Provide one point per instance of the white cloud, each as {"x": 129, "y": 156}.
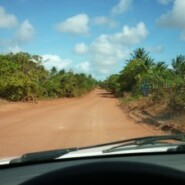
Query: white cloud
{"x": 165, "y": 2}
{"x": 121, "y": 7}
{"x": 157, "y": 49}
{"x": 174, "y": 18}
{"x": 106, "y": 55}
{"x": 50, "y": 61}
{"x": 7, "y": 46}
{"x": 14, "y": 49}
{"x": 80, "y": 49}
{"x": 76, "y": 25}
{"x": 108, "y": 50}
{"x": 83, "y": 67}
{"x": 25, "y": 32}
{"x": 54, "y": 60}
{"x": 7, "y": 20}
{"x": 103, "y": 20}
{"x": 131, "y": 35}
{"x": 105, "y": 52}
{"x": 23, "y": 35}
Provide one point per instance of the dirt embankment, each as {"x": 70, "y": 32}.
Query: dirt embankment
{"x": 155, "y": 114}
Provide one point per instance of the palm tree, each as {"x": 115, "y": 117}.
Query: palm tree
{"x": 53, "y": 71}
{"x": 159, "y": 73}
{"x": 142, "y": 56}
{"x": 178, "y": 65}
{"x": 139, "y": 53}
{"x": 144, "y": 63}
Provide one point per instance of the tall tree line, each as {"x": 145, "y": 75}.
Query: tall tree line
{"x": 23, "y": 75}
{"x": 142, "y": 69}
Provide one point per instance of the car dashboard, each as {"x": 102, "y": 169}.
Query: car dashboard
{"x": 16, "y": 174}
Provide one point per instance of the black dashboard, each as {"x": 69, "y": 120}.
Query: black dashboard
{"x": 130, "y": 167}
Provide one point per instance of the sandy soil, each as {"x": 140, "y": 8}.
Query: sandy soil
{"x": 93, "y": 119}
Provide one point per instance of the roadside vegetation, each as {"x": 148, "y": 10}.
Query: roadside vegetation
{"x": 153, "y": 87}
{"x": 23, "y": 75}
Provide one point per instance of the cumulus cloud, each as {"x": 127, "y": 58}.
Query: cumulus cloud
{"x": 7, "y": 20}
{"x": 54, "y": 60}
{"x": 50, "y": 61}
{"x": 25, "y": 32}
{"x": 108, "y": 50}
{"x": 7, "y": 46}
{"x": 121, "y": 7}
{"x": 83, "y": 67}
{"x": 76, "y": 25}
{"x": 175, "y": 17}
{"x": 14, "y": 49}
{"x": 23, "y": 36}
{"x": 104, "y": 21}
{"x": 157, "y": 49}
{"x": 81, "y": 49}
{"x": 165, "y": 2}
{"x": 106, "y": 55}
{"x": 105, "y": 52}
{"x": 131, "y": 35}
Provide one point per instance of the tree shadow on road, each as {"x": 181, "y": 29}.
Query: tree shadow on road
{"x": 107, "y": 95}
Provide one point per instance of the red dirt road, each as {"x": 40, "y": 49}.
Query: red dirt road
{"x": 93, "y": 119}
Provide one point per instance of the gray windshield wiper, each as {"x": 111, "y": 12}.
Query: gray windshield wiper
{"x": 146, "y": 141}
{"x": 136, "y": 142}
{"x": 42, "y": 156}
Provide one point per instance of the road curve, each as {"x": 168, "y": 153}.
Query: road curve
{"x": 93, "y": 119}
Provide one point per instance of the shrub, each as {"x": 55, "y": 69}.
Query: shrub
{"x": 159, "y": 96}
{"x": 177, "y": 100}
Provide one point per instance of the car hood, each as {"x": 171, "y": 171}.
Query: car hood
{"x": 7, "y": 160}
{"x": 98, "y": 151}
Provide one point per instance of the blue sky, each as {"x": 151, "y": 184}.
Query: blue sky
{"x": 92, "y": 36}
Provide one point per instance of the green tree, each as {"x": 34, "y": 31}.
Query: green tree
{"x": 23, "y": 75}
{"x": 137, "y": 70}
{"x": 178, "y": 65}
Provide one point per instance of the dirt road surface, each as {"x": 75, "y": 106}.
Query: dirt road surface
{"x": 92, "y": 119}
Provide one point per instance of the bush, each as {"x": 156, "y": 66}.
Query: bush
{"x": 177, "y": 100}
{"x": 23, "y": 75}
{"x": 159, "y": 96}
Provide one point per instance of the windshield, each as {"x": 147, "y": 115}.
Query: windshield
{"x": 82, "y": 73}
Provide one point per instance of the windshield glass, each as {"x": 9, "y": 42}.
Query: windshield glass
{"x": 87, "y": 72}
